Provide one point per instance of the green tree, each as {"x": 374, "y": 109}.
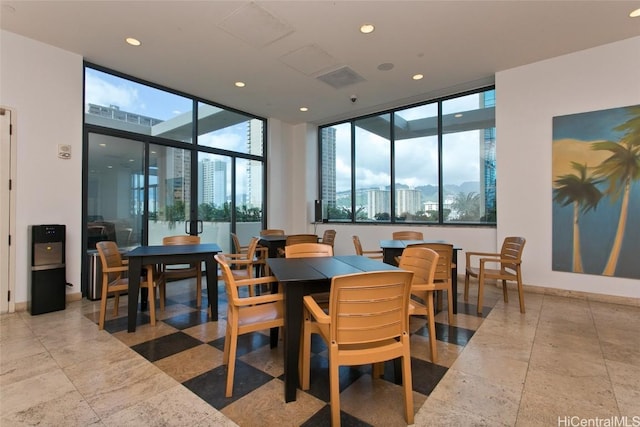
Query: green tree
{"x": 581, "y": 191}
{"x": 467, "y": 206}
{"x": 619, "y": 171}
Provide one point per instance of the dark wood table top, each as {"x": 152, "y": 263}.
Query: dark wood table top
{"x": 161, "y": 250}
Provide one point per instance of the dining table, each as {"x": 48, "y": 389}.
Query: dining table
{"x": 172, "y": 254}
{"x": 273, "y": 243}
{"x": 391, "y": 249}
{"x": 303, "y": 276}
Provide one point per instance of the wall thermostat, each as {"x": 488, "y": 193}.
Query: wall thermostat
{"x": 64, "y": 151}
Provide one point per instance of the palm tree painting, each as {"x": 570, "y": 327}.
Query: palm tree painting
{"x": 596, "y": 192}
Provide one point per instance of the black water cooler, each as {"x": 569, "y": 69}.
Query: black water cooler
{"x": 48, "y": 271}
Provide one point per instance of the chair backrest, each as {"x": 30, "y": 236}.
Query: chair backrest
{"x": 110, "y": 257}
{"x": 272, "y": 232}
{"x": 369, "y": 307}
{"x": 422, "y": 262}
{"x": 357, "y": 245}
{"x": 512, "y": 248}
{"x": 407, "y": 235}
{"x": 329, "y": 237}
{"x": 445, "y": 255}
{"x": 377, "y": 254}
{"x": 229, "y": 279}
{"x": 308, "y": 250}
{"x": 183, "y": 239}
{"x": 294, "y": 239}
{"x": 236, "y": 243}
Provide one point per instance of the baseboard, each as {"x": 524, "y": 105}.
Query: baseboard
{"x": 589, "y": 296}
{"x": 70, "y": 297}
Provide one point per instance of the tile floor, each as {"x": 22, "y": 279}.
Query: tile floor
{"x": 564, "y": 358}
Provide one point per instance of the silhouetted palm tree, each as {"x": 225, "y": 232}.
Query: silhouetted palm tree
{"x": 620, "y": 170}
{"x": 581, "y": 191}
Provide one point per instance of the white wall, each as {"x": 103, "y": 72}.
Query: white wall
{"x": 44, "y": 86}
{"x": 527, "y": 98}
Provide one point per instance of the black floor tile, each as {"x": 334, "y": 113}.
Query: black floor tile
{"x": 121, "y": 323}
{"x": 165, "y": 346}
{"x": 211, "y": 385}
{"x": 246, "y": 343}
{"x": 425, "y": 375}
{"x": 187, "y": 320}
{"x": 322, "y": 418}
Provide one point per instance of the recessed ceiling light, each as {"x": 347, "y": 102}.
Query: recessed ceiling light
{"x": 457, "y": 116}
{"x": 367, "y": 28}
{"x": 132, "y": 41}
{"x": 635, "y": 13}
{"x": 102, "y": 144}
{"x": 303, "y": 109}
{"x": 417, "y": 77}
{"x": 240, "y": 84}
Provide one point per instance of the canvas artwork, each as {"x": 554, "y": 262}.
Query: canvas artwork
{"x": 596, "y": 192}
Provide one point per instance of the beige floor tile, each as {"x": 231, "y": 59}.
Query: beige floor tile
{"x": 34, "y": 391}
{"x": 558, "y": 339}
{"x": 269, "y": 360}
{"x": 266, "y": 407}
{"x": 447, "y": 353}
{"x": 167, "y": 408}
{"x": 494, "y": 367}
{"x": 68, "y": 409}
{"x": 577, "y": 363}
{"x": 145, "y": 333}
{"x": 26, "y": 366}
{"x": 209, "y": 331}
{"x": 379, "y": 403}
{"x": 190, "y": 363}
{"x": 494, "y": 402}
{"x": 439, "y": 413}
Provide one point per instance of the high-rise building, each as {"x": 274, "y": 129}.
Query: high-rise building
{"x": 328, "y": 162}
{"x": 408, "y": 201}
{"x": 254, "y": 171}
{"x": 213, "y": 182}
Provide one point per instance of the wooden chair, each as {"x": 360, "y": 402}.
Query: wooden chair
{"x": 237, "y": 247}
{"x": 407, "y": 235}
{"x": 443, "y": 275}
{"x": 261, "y": 255}
{"x": 308, "y": 250}
{"x": 246, "y": 265}
{"x": 179, "y": 272}
{"x": 423, "y": 263}
{"x": 272, "y": 232}
{"x": 509, "y": 261}
{"x": 246, "y": 314}
{"x": 113, "y": 282}
{"x": 328, "y": 237}
{"x": 373, "y": 254}
{"x": 295, "y": 239}
{"x": 367, "y": 323}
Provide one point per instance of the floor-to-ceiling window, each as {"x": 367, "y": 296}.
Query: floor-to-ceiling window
{"x": 432, "y": 163}
{"x": 160, "y": 163}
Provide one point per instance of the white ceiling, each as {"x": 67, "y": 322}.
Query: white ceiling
{"x": 279, "y": 48}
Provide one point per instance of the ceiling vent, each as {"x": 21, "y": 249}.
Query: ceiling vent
{"x": 255, "y": 25}
{"x": 342, "y": 77}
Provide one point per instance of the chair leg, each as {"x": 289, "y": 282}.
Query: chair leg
{"x": 432, "y": 328}
{"x": 505, "y": 291}
{"x": 231, "y": 362}
{"x": 116, "y": 304}
{"x": 521, "y": 294}
{"x": 199, "y": 288}
{"x": 450, "y": 305}
{"x": 407, "y": 384}
{"x": 466, "y": 286}
{"x": 305, "y": 359}
{"x": 103, "y": 311}
{"x": 480, "y": 291}
{"x": 151, "y": 298}
{"x": 334, "y": 387}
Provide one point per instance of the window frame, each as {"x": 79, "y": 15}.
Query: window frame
{"x": 393, "y": 220}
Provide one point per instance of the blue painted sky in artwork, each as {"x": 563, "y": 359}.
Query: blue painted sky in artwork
{"x": 592, "y": 126}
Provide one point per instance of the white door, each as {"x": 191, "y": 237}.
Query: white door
{"x": 7, "y": 209}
